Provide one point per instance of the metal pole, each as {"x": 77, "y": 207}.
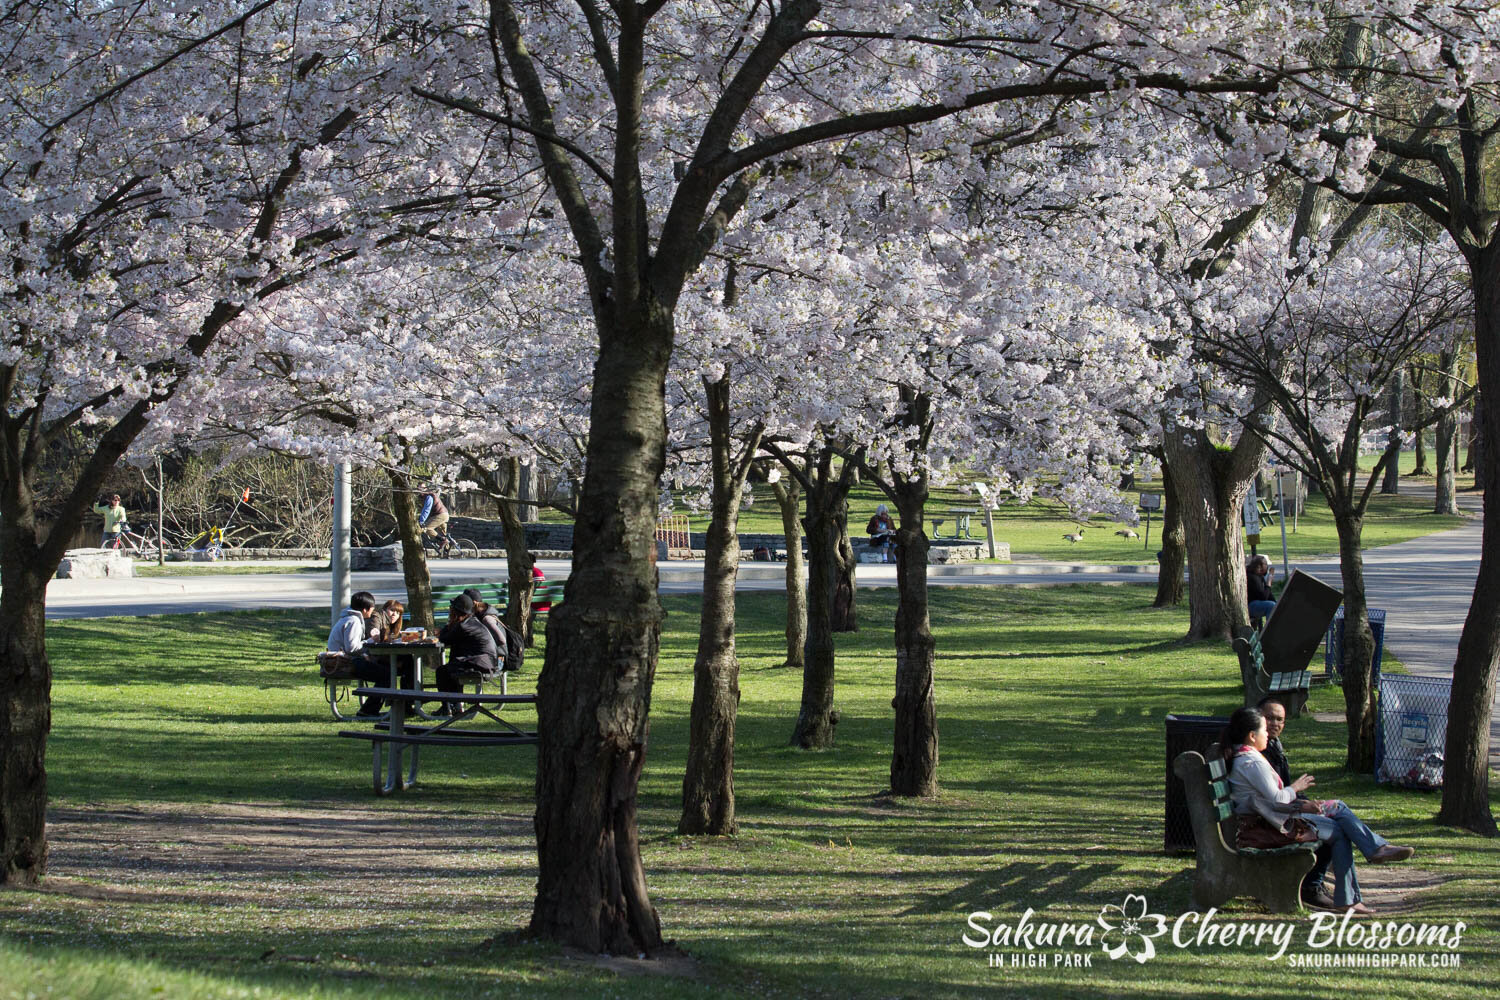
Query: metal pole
{"x": 339, "y": 556}
{"x": 1281, "y": 506}
{"x": 161, "y": 492}
{"x": 1147, "y": 543}
{"x": 989, "y": 529}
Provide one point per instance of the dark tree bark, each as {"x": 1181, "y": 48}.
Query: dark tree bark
{"x": 413, "y": 557}
{"x": 1359, "y": 645}
{"x": 1478, "y": 453}
{"x": 594, "y": 692}
{"x": 1466, "y": 777}
{"x": 518, "y": 558}
{"x": 708, "y": 783}
{"x": 1173, "y": 558}
{"x": 25, "y": 702}
{"x": 830, "y": 561}
{"x": 1210, "y": 484}
{"x": 844, "y": 609}
{"x": 789, "y": 498}
{"x": 1390, "y": 484}
{"x": 1445, "y": 499}
{"x": 914, "y": 757}
{"x": 1419, "y": 420}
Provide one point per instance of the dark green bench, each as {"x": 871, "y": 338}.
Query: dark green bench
{"x": 497, "y": 595}
{"x": 1273, "y": 876}
{"x": 1289, "y": 686}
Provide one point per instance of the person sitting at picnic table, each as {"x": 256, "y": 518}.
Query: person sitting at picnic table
{"x": 349, "y": 636}
{"x": 1258, "y": 587}
{"x": 1376, "y": 849}
{"x": 385, "y": 625}
{"x": 490, "y": 619}
{"x": 115, "y": 521}
{"x": 471, "y": 648}
{"x": 882, "y": 531}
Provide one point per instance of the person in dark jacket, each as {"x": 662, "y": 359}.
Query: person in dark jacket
{"x": 490, "y": 619}
{"x": 1258, "y": 587}
{"x": 471, "y": 648}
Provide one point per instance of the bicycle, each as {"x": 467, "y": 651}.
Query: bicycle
{"x": 141, "y": 545}
{"x": 445, "y": 546}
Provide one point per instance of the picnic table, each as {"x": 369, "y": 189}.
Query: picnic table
{"x": 960, "y": 518}
{"x": 409, "y": 726}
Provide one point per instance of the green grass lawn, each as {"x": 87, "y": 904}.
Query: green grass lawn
{"x": 212, "y": 837}
{"x": 1035, "y": 530}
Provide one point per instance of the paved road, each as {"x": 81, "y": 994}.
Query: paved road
{"x": 294, "y": 586}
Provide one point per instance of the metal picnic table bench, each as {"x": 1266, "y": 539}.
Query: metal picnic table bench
{"x": 394, "y": 736}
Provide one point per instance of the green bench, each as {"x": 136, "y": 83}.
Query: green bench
{"x": 1289, "y": 686}
{"x": 497, "y": 595}
{"x": 1273, "y": 876}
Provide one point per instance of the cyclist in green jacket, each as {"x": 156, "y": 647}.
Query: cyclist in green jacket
{"x": 114, "y": 521}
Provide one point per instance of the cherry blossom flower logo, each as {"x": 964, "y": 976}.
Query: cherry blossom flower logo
{"x": 1128, "y": 929}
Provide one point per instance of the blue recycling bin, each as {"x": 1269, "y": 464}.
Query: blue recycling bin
{"x": 1333, "y": 649}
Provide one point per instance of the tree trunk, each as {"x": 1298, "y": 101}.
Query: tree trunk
{"x": 843, "y": 611}
{"x": 528, "y": 487}
{"x": 413, "y": 556}
{"x": 594, "y": 692}
{"x": 518, "y": 558}
{"x": 1390, "y": 483}
{"x": 914, "y": 759}
{"x": 789, "y": 497}
{"x": 25, "y": 704}
{"x": 708, "y": 784}
{"x": 1466, "y": 776}
{"x": 1478, "y": 451}
{"x": 1419, "y": 420}
{"x": 1211, "y": 483}
{"x": 1445, "y": 500}
{"x": 829, "y": 567}
{"x": 1173, "y": 559}
{"x": 1359, "y": 645}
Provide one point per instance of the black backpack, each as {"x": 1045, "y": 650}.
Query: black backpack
{"x": 515, "y": 648}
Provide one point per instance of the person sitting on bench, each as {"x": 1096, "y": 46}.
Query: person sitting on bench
{"x": 1258, "y": 588}
{"x": 471, "y": 648}
{"x": 1376, "y": 849}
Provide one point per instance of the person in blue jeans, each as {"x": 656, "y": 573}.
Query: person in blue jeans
{"x": 1330, "y": 815}
{"x": 1258, "y": 587}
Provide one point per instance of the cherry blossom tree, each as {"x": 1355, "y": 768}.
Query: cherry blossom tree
{"x": 165, "y": 171}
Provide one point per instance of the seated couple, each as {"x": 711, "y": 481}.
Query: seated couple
{"x": 1261, "y": 786}
{"x": 473, "y": 635}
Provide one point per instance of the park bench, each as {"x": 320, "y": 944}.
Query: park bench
{"x": 1273, "y": 876}
{"x": 391, "y": 738}
{"x": 497, "y": 595}
{"x": 1274, "y": 660}
{"x": 1289, "y": 686}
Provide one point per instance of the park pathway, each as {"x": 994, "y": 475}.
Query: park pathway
{"x": 1425, "y": 587}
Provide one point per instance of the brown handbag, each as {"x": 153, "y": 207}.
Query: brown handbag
{"x": 1253, "y": 833}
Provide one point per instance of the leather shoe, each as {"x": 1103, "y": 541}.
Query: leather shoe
{"x": 1319, "y": 900}
{"x": 1389, "y": 853}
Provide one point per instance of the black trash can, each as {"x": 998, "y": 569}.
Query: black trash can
{"x": 1184, "y": 733}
